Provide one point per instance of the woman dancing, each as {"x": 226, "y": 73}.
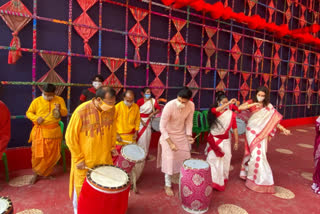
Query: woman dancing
{"x": 221, "y": 119}
{"x": 261, "y": 128}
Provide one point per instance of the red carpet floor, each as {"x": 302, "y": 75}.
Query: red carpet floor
{"x": 51, "y": 195}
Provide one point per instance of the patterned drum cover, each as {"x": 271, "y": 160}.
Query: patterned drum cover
{"x": 5, "y": 205}
{"x": 130, "y": 155}
{"x": 241, "y": 126}
{"x": 195, "y": 189}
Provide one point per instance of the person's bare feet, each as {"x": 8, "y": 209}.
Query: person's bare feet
{"x": 169, "y": 191}
{"x": 34, "y": 179}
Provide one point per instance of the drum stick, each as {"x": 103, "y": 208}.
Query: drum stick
{"x": 197, "y": 136}
{"x": 99, "y": 173}
{"x": 126, "y": 141}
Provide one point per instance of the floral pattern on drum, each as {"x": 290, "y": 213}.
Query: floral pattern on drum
{"x": 197, "y": 179}
{"x": 208, "y": 191}
{"x": 186, "y": 191}
{"x": 196, "y": 204}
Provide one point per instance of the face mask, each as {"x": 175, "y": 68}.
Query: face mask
{"x": 147, "y": 96}
{"x": 104, "y": 106}
{"x": 127, "y": 103}
{"x": 260, "y": 99}
{"x": 96, "y": 84}
{"x": 48, "y": 98}
{"x": 179, "y": 104}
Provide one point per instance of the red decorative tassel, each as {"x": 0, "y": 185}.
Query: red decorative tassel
{"x": 136, "y": 58}
{"x": 208, "y": 65}
{"x": 14, "y": 55}
{"x": 176, "y": 62}
{"x": 87, "y": 49}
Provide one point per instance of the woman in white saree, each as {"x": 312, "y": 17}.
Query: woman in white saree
{"x": 221, "y": 119}
{"x": 148, "y": 108}
{"x": 261, "y": 127}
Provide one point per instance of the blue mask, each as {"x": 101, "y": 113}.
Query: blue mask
{"x": 147, "y": 96}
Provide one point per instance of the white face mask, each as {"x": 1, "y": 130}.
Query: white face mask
{"x": 180, "y": 105}
{"x": 48, "y": 98}
{"x": 127, "y": 103}
{"x": 260, "y": 99}
{"x": 96, "y": 84}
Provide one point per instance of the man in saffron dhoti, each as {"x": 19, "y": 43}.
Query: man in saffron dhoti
{"x": 176, "y": 135}
{"x": 45, "y": 112}
{"x": 91, "y": 136}
{"x": 261, "y": 127}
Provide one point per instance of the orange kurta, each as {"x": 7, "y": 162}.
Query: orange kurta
{"x": 46, "y": 138}
{"x": 90, "y": 136}
{"x": 127, "y": 121}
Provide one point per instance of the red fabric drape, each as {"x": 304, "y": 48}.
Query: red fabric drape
{"x": 137, "y": 29}
{"x": 5, "y": 127}
{"x": 84, "y": 19}
{"x": 209, "y": 47}
{"x": 157, "y": 87}
{"x": 193, "y": 70}
{"x": 235, "y": 51}
{"x": 51, "y": 76}
{"x": 15, "y": 23}
{"x": 113, "y": 64}
{"x": 221, "y": 86}
{"x": 177, "y": 41}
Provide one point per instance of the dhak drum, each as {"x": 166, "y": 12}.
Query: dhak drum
{"x": 104, "y": 191}
{"x": 5, "y": 205}
{"x": 241, "y": 125}
{"x": 195, "y": 190}
{"x": 130, "y": 155}
{"x": 155, "y": 123}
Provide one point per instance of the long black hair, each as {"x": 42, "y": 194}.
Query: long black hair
{"x": 266, "y": 100}
{"x": 212, "y": 118}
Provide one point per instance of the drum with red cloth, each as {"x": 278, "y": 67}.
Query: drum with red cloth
{"x": 195, "y": 190}
{"x": 105, "y": 191}
{"x": 130, "y": 155}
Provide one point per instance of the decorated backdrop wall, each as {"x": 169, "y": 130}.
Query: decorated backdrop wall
{"x": 135, "y": 43}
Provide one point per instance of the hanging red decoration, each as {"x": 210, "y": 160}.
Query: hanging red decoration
{"x": 84, "y": 19}
{"x": 157, "y": 87}
{"x": 257, "y": 55}
{"x": 15, "y": 23}
{"x": 288, "y": 11}
{"x": 225, "y": 3}
{"x": 235, "y": 51}
{"x": 221, "y": 86}
{"x": 113, "y": 64}
{"x": 271, "y": 10}
{"x": 177, "y": 41}
{"x": 317, "y": 66}
{"x": 292, "y": 61}
{"x": 306, "y": 63}
{"x": 193, "y": 70}
{"x": 216, "y": 10}
{"x": 282, "y": 89}
{"x": 209, "y": 47}
{"x": 251, "y": 4}
{"x": 266, "y": 78}
{"x": 296, "y": 91}
{"x": 51, "y": 76}
{"x": 138, "y": 30}
{"x": 244, "y": 89}
{"x": 276, "y": 59}
{"x": 302, "y": 19}
{"x": 309, "y": 92}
